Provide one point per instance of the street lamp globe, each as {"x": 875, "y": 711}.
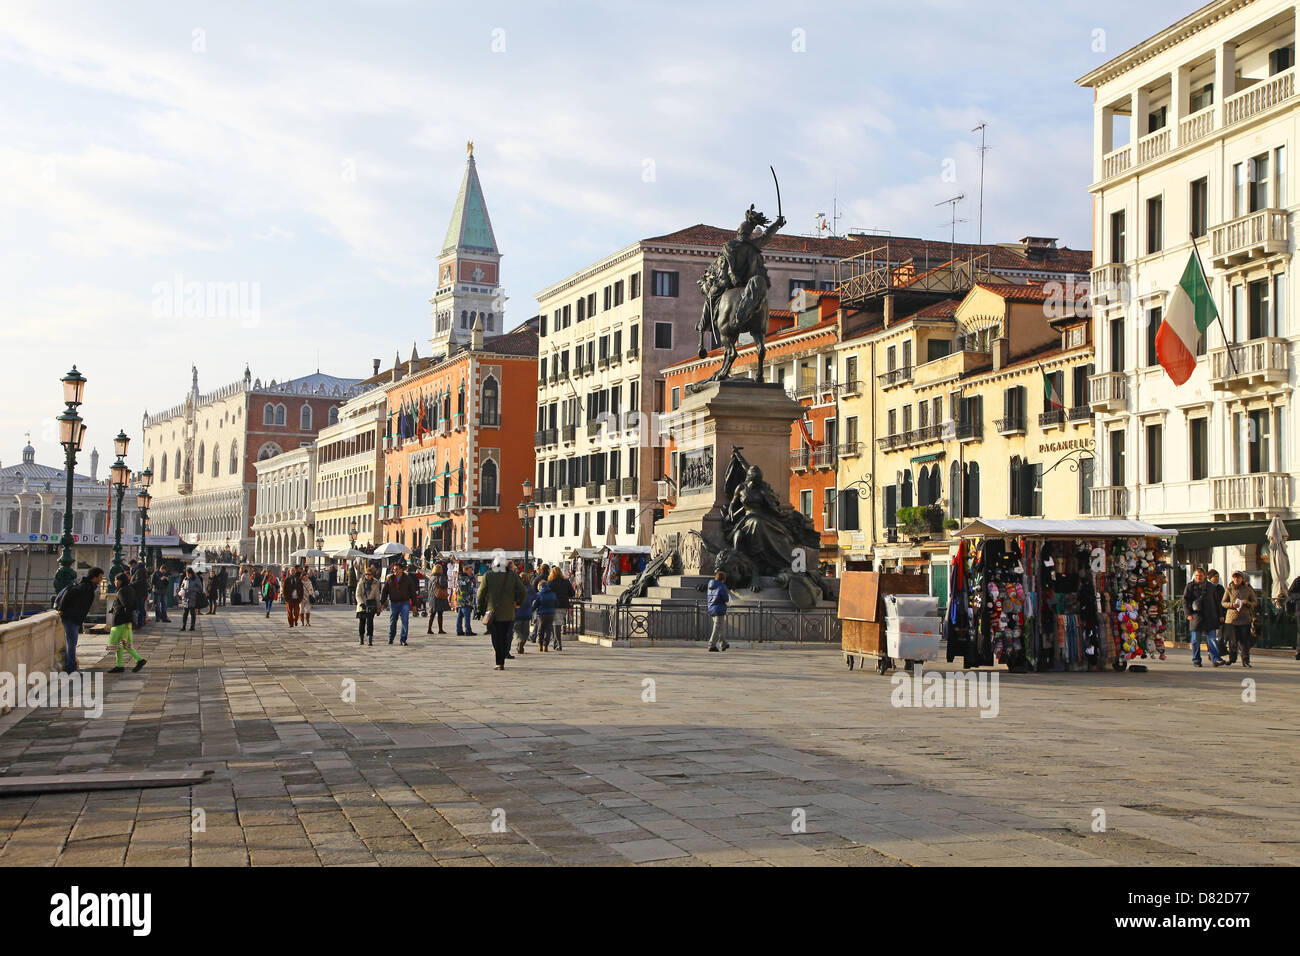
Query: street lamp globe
{"x": 522, "y": 510}
{"x": 121, "y": 473}
{"x": 71, "y": 429}
{"x": 146, "y": 477}
{"x": 120, "y": 444}
{"x": 142, "y": 499}
{"x": 528, "y": 489}
{"x": 74, "y": 387}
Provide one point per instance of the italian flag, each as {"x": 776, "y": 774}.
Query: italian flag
{"x": 1052, "y": 396}
{"x": 1191, "y": 310}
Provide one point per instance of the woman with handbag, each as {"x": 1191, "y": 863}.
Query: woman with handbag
{"x": 367, "y": 595}
{"x": 1241, "y": 602}
{"x": 437, "y": 600}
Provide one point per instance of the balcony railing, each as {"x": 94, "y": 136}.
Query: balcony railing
{"x": 613, "y": 487}
{"x": 971, "y": 429}
{"x": 568, "y": 434}
{"x": 629, "y": 487}
{"x": 895, "y": 376}
{"x": 443, "y": 504}
{"x": 850, "y": 449}
{"x": 1200, "y": 123}
{"x": 456, "y": 502}
{"x": 552, "y": 436}
{"x": 1110, "y": 501}
{"x": 1055, "y": 416}
{"x": 1250, "y": 363}
{"x": 1108, "y": 392}
{"x": 1267, "y": 491}
{"x": 616, "y": 358}
{"x": 799, "y": 459}
{"x": 1080, "y": 413}
{"x": 1010, "y": 424}
{"x": 889, "y": 442}
{"x": 1255, "y": 235}
{"x": 593, "y": 428}
{"x": 539, "y": 439}
{"x": 593, "y": 490}
{"x": 824, "y": 456}
{"x": 631, "y": 419}
{"x": 1116, "y": 161}
{"x": 1109, "y": 283}
{"x": 1261, "y": 96}
{"x": 555, "y": 377}
{"x": 458, "y": 421}
{"x": 851, "y": 388}
{"x": 566, "y": 495}
{"x": 632, "y": 353}
{"x": 1153, "y": 145}
{"x": 603, "y": 362}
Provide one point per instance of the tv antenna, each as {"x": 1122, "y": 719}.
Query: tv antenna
{"x": 983, "y": 149}
{"x": 952, "y": 242}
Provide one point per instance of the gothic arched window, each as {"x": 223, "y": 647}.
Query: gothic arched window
{"x": 488, "y": 487}
{"x": 490, "y": 405}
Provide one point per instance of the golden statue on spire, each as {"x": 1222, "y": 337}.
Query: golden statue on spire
{"x": 469, "y": 147}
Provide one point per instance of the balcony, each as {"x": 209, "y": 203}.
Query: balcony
{"x": 1252, "y": 236}
{"x": 895, "y": 376}
{"x": 1110, "y": 501}
{"x": 1248, "y": 364}
{"x": 1051, "y": 419}
{"x": 555, "y": 378}
{"x": 1109, "y": 283}
{"x": 455, "y": 502}
{"x": 593, "y": 490}
{"x": 1010, "y": 425}
{"x": 539, "y": 439}
{"x": 566, "y": 496}
{"x": 632, "y": 353}
{"x": 1264, "y": 493}
{"x": 568, "y": 434}
{"x": 1116, "y": 161}
{"x": 814, "y": 390}
{"x": 1108, "y": 392}
{"x": 443, "y": 506}
{"x": 924, "y": 435}
{"x": 629, "y": 487}
{"x": 889, "y": 442}
{"x": 613, "y": 487}
{"x": 632, "y": 419}
{"x": 616, "y": 358}
{"x": 825, "y": 456}
{"x": 1195, "y": 126}
{"x": 1153, "y": 145}
{"x": 850, "y": 449}
{"x": 1263, "y": 95}
{"x": 1080, "y": 413}
{"x": 593, "y": 428}
{"x": 970, "y": 430}
{"x": 458, "y": 421}
{"x": 544, "y": 496}
{"x": 799, "y": 459}
{"x": 603, "y": 362}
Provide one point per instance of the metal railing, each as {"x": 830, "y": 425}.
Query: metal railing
{"x": 1011, "y": 423}
{"x": 1080, "y": 413}
{"x": 799, "y": 459}
{"x": 824, "y": 456}
{"x": 629, "y": 486}
{"x": 568, "y": 434}
{"x": 970, "y": 430}
{"x": 850, "y": 449}
{"x": 895, "y": 376}
{"x": 1055, "y": 416}
{"x": 691, "y": 622}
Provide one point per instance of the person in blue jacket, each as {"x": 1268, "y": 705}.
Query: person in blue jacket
{"x": 547, "y": 601}
{"x": 524, "y": 614}
{"x": 718, "y": 598}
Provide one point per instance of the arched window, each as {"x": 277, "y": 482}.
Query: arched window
{"x": 304, "y": 418}
{"x": 234, "y": 458}
{"x": 216, "y": 461}
{"x": 464, "y": 319}
{"x": 155, "y": 470}
{"x": 972, "y": 508}
{"x": 269, "y": 450}
{"x": 936, "y": 484}
{"x": 488, "y": 487}
{"x": 954, "y": 491}
{"x": 163, "y": 476}
{"x": 200, "y": 458}
{"x": 176, "y": 471}
{"x": 334, "y": 415}
{"x": 923, "y": 486}
{"x": 460, "y": 477}
{"x": 460, "y": 399}
{"x": 490, "y": 414}
{"x": 906, "y": 494}
{"x": 489, "y": 322}
{"x": 279, "y": 414}
{"x": 268, "y": 414}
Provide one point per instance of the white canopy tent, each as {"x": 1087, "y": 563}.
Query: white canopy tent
{"x": 1061, "y": 528}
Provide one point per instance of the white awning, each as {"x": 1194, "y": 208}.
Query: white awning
{"x": 1054, "y": 528}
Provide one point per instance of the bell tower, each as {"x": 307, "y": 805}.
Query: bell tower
{"x": 469, "y": 282}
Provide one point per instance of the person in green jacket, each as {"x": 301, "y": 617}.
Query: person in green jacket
{"x": 499, "y": 595}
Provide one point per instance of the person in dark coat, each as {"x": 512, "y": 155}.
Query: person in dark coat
{"x": 77, "y": 601}
{"x": 546, "y": 605}
{"x": 1293, "y": 602}
{"x": 1227, "y": 635}
{"x": 139, "y": 579}
{"x": 718, "y": 598}
{"x": 499, "y": 595}
{"x": 398, "y": 592}
{"x": 1202, "y": 617}
{"x": 120, "y": 616}
{"x": 212, "y": 591}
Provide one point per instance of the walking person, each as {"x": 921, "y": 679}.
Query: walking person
{"x": 546, "y": 604}
{"x": 292, "y": 589}
{"x": 501, "y": 592}
{"x": 309, "y": 595}
{"x": 121, "y": 614}
{"x": 1227, "y": 635}
{"x": 213, "y": 591}
{"x": 1242, "y": 605}
{"x": 74, "y": 604}
{"x": 1202, "y": 617}
{"x": 437, "y": 596}
{"x": 524, "y": 612}
{"x": 562, "y": 588}
{"x": 719, "y": 597}
{"x": 398, "y": 593}
{"x": 160, "y": 585}
{"x": 139, "y": 580}
{"x": 466, "y": 591}
{"x": 191, "y": 590}
{"x": 223, "y": 580}
{"x": 270, "y": 587}
{"x": 368, "y": 592}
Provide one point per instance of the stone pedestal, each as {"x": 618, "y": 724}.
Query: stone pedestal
{"x": 752, "y": 416}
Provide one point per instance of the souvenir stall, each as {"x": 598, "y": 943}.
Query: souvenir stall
{"x": 1045, "y": 595}
{"x": 593, "y": 570}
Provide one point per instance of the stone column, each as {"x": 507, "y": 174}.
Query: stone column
{"x": 752, "y": 416}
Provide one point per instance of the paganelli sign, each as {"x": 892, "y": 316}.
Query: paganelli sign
{"x": 1069, "y": 444}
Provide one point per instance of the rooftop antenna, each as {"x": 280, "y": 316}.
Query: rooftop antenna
{"x": 952, "y": 242}
{"x": 983, "y": 149}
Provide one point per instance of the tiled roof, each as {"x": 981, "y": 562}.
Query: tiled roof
{"x": 938, "y": 310}
{"x": 522, "y": 341}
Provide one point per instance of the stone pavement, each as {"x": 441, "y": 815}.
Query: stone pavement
{"x": 752, "y": 757}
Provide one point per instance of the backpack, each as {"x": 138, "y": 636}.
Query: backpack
{"x": 58, "y": 598}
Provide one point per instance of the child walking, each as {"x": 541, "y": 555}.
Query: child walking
{"x": 123, "y": 611}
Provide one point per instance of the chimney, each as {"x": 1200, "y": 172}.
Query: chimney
{"x": 376, "y": 364}
{"x": 476, "y": 335}
{"x": 1001, "y": 352}
{"x": 889, "y": 310}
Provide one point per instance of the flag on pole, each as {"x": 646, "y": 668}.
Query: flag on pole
{"x": 807, "y": 435}
{"x": 1191, "y": 310}
{"x": 1050, "y": 395}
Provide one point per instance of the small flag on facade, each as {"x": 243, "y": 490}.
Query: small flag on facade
{"x": 1191, "y": 310}
{"x": 1050, "y": 394}
{"x": 807, "y": 435}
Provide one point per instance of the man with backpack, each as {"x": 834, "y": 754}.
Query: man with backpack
{"x": 73, "y": 604}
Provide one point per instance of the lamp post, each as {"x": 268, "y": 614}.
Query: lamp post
{"x": 121, "y": 477}
{"x": 72, "y": 430}
{"x": 526, "y": 509}
{"x": 142, "y": 502}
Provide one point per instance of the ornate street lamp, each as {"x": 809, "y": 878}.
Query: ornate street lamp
{"x": 72, "y": 431}
{"x": 121, "y": 477}
{"x": 526, "y": 509}
{"x": 142, "y": 502}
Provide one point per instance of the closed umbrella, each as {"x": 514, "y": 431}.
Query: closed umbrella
{"x": 1277, "y": 554}
{"x": 586, "y": 534}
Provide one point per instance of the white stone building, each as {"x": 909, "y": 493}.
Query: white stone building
{"x": 283, "y": 522}
{"x": 349, "y": 465}
{"x": 1193, "y": 132}
{"x": 33, "y": 496}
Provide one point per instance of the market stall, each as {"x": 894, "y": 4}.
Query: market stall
{"x": 1055, "y": 595}
{"x": 592, "y": 570}
{"x": 865, "y": 618}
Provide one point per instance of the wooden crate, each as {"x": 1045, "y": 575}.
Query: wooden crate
{"x": 862, "y": 607}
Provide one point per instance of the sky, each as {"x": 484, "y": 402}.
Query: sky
{"x": 299, "y": 161}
